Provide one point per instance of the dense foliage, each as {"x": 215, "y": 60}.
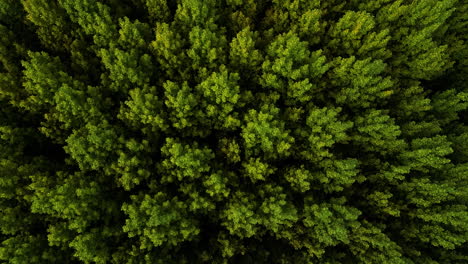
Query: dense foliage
{"x": 234, "y": 131}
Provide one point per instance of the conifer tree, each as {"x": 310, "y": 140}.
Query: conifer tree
{"x": 233, "y": 131}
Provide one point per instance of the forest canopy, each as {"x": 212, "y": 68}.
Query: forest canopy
{"x": 234, "y": 131}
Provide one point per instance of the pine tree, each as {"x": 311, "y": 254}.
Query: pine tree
{"x": 237, "y": 131}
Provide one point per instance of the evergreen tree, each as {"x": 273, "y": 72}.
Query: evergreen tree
{"x": 233, "y": 131}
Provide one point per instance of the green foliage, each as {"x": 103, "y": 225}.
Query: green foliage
{"x": 330, "y": 223}
{"x": 353, "y": 35}
{"x": 184, "y": 161}
{"x": 378, "y": 132}
{"x": 263, "y": 133}
{"x": 237, "y": 131}
{"x": 158, "y": 10}
{"x": 323, "y": 131}
{"x": 243, "y": 56}
{"x": 154, "y": 219}
{"x": 290, "y": 67}
{"x": 360, "y": 82}
{"x": 53, "y": 25}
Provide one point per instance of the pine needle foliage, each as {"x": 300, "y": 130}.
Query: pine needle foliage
{"x": 233, "y": 131}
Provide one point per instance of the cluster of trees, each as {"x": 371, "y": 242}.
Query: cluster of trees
{"x": 234, "y": 131}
